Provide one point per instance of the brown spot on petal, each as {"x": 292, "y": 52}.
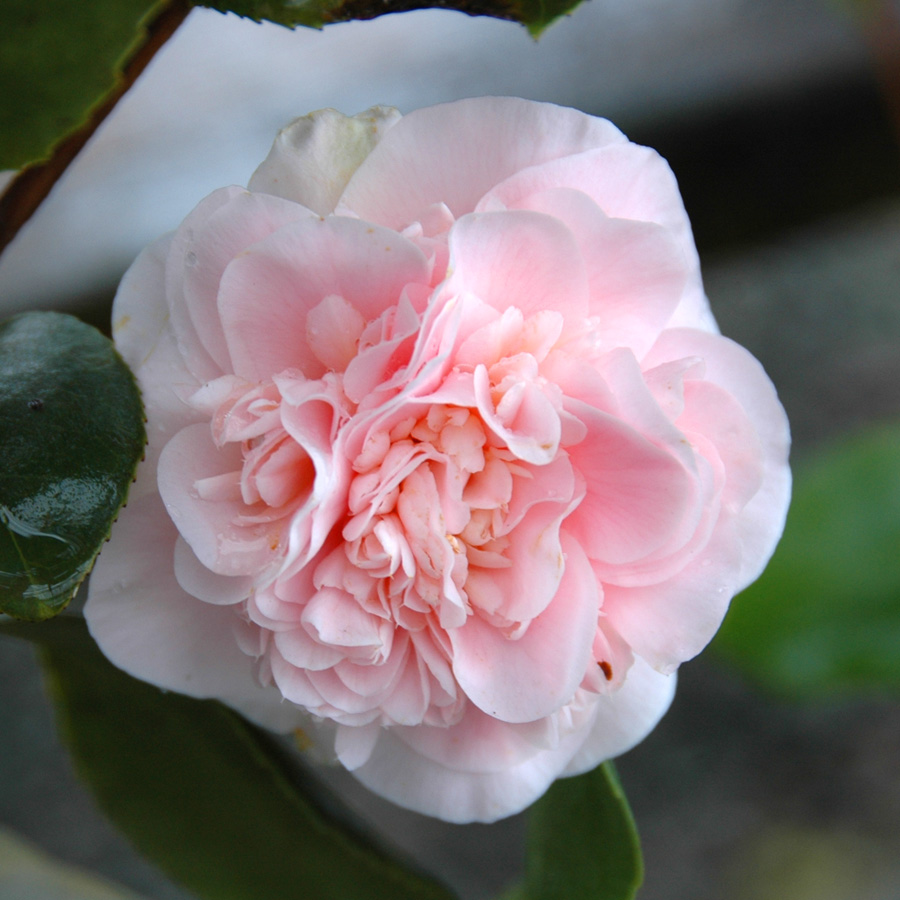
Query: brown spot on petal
{"x": 606, "y": 669}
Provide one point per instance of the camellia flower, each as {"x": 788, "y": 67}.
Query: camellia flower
{"x": 448, "y": 463}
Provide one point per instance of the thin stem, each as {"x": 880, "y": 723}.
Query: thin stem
{"x": 31, "y": 186}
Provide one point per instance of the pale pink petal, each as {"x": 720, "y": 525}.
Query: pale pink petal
{"x": 532, "y": 580}
{"x": 410, "y": 696}
{"x": 147, "y": 625}
{"x": 202, "y": 362}
{"x": 402, "y": 773}
{"x": 526, "y": 419}
{"x": 294, "y": 682}
{"x": 638, "y": 496}
{"x": 526, "y": 679}
{"x": 190, "y": 460}
{"x": 313, "y": 158}
{"x": 204, "y": 584}
{"x": 244, "y": 220}
{"x": 220, "y": 228}
{"x": 345, "y": 700}
{"x": 142, "y": 330}
{"x": 333, "y": 617}
{"x": 140, "y": 313}
{"x": 302, "y": 650}
{"x": 456, "y": 152}
{"x": 268, "y": 291}
{"x": 353, "y": 745}
{"x": 733, "y": 368}
{"x": 518, "y": 259}
{"x": 624, "y": 718}
{"x": 712, "y": 412}
{"x": 627, "y": 182}
{"x": 636, "y": 270}
{"x": 333, "y": 329}
{"x": 613, "y": 655}
{"x": 636, "y": 405}
{"x": 671, "y": 622}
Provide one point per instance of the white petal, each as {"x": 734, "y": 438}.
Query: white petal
{"x": 147, "y": 625}
{"x": 314, "y": 157}
{"x": 624, "y": 718}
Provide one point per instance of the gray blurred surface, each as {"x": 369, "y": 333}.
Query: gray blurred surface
{"x": 737, "y": 797}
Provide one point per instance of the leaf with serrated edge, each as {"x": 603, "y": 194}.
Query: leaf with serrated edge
{"x": 536, "y": 15}
{"x": 57, "y": 60}
{"x": 71, "y": 436}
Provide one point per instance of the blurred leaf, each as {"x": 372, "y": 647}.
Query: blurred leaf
{"x": 582, "y": 842}
{"x": 63, "y": 68}
{"x": 71, "y": 436}
{"x": 825, "y": 615}
{"x": 26, "y": 873}
{"x": 535, "y": 14}
{"x": 57, "y": 60}
{"x": 213, "y": 801}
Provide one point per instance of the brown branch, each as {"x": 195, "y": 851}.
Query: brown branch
{"x": 31, "y": 186}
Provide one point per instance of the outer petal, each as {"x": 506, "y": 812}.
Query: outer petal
{"x": 671, "y": 622}
{"x": 314, "y": 157}
{"x": 148, "y": 626}
{"x": 625, "y": 717}
{"x": 627, "y": 182}
{"x": 204, "y": 584}
{"x": 639, "y": 497}
{"x": 727, "y": 364}
{"x": 403, "y": 773}
{"x": 636, "y": 270}
{"x": 143, "y": 335}
{"x": 221, "y": 227}
{"x": 267, "y": 292}
{"x": 456, "y": 152}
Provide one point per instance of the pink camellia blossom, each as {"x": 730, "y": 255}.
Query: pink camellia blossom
{"x": 448, "y": 463}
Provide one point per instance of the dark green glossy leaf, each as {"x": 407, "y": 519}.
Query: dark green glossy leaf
{"x": 825, "y": 615}
{"x": 212, "y": 800}
{"x": 71, "y": 435}
{"x": 535, "y": 14}
{"x": 58, "y": 58}
{"x": 582, "y": 842}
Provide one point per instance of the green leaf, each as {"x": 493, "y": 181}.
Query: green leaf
{"x": 58, "y": 59}
{"x": 582, "y": 842}
{"x": 212, "y": 800}
{"x": 71, "y": 435}
{"x": 825, "y": 615}
{"x": 535, "y": 14}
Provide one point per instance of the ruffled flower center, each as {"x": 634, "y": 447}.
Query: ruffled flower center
{"x": 430, "y": 518}
{"x": 431, "y": 523}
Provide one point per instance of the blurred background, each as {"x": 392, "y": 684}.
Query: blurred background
{"x": 781, "y": 120}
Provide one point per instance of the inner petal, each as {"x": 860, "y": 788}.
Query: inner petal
{"x": 333, "y": 329}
